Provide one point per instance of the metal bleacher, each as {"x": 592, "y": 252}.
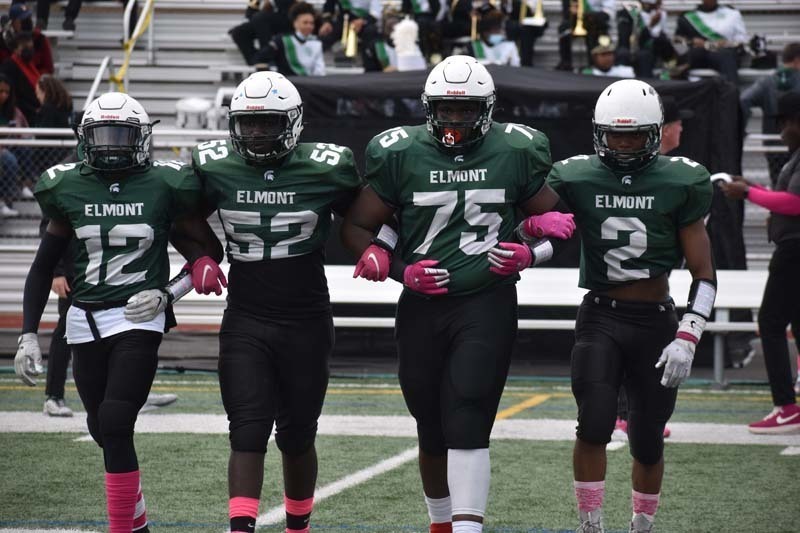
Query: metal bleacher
{"x": 191, "y": 49}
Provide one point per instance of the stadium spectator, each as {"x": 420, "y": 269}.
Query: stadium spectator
{"x": 523, "y": 32}
{"x": 380, "y": 54}
{"x": 19, "y": 22}
{"x": 492, "y": 47}
{"x": 298, "y": 53}
{"x": 261, "y": 26}
{"x": 779, "y": 306}
{"x": 457, "y": 22}
{"x": 10, "y": 116}
{"x": 71, "y": 13}
{"x": 55, "y": 111}
{"x": 363, "y": 16}
{"x": 642, "y": 35}
{"x": 764, "y": 93}
{"x": 603, "y": 59}
{"x": 596, "y": 17}
{"x": 429, "y": 15}
{"x": 23, "y": 75}
{"x": 714, "y": 35}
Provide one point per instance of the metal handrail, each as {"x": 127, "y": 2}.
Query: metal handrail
{"x": 105, "y": 64}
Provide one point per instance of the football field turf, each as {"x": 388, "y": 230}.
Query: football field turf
{"x": 718, "y": 477}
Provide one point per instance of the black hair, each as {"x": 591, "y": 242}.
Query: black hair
{"x": 7, "y": 109}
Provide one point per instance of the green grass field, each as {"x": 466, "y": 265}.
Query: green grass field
{"x": 52, "y": 480}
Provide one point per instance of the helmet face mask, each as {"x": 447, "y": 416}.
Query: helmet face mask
{"x": 115, "y": 132}
{"x": 458, "y": 122}
{"x": 265, "y": 135}
{"x": 459, "y": 101}
{"x": 627, "y": 107}
{"x": 265, "y": 118}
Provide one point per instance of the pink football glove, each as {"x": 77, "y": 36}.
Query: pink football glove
{"x": 550, "y": 224}
{"x": 207, "y": 277}
{"x": 373, "y": 264}
{"x": 421, "y": 277}
{"x": 509, "y": 258}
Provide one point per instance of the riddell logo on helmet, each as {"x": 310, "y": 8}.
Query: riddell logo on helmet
{"x": 112, "y": 117}
{"x": 254, "y": 107}
{"x": 456, "y": 93}
{"x": 624, "y": 121}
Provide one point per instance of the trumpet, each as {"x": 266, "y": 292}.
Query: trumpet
{"x": 345, "y": 29}
{"x": 473, "y": 32}
{"x": 351, "y": 46}
{"x": 579, "y": 30}
{"x": 538, "y": 16}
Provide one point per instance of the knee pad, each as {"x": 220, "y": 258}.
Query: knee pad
{"x": 431, "y": 439}
{"x": 250, "y": 437}
{"x": 472, "y": 370}
{"x": 296, "y": 440}
{"x": 597, "y": 411}
{"x": 116, "y": 418}
{"x": 647, "y": 443}
{"x": 94, "y": 429}
{"x": 467, "y": 428}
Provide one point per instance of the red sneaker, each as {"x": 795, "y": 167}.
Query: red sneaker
{"x": 784, "y": 419}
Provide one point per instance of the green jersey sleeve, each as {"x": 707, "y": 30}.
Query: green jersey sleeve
{"x": 348, "y": 180}
{"x": 699, "y": 193}
{"x": 539, "y": 165}
{"x": 46, "y": 191}
{"x": 184, "y": 185}
{"x": 379, "y": 172}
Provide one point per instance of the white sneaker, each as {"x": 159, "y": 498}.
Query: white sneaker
{"x": 7, "y": 212}
{"x": 160, "y": 400}
{"x": 591, "y": 522}
{"x": 56, "y": 407}
{"x": 641, "y": 523}
{"x": 27, "y": 193}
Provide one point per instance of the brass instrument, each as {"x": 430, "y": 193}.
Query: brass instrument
{"x": 345, "y": 29}
{"x": 579, "y": 30}
{"x": 538, "y": 16}
{"x": 351, "y": 48}
{"x": 473, "y": 32}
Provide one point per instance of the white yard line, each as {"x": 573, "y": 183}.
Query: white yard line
{"x": 538, "y": 429}
{"x": 791, "y": 450}
{"x": 278, "y": 514}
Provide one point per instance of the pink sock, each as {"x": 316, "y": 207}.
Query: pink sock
{"x": 121, "y": 491}
{"x": 298, "y": 514}
{"x": 589, "y": 495}
{"x": 644, "y": 503}
{"x": 140, "y": 513}
{"x": 242, "y": 506}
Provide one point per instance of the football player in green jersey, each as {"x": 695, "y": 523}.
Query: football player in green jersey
{"x": 454, "y": 185}
{"x": 120, "y": 207}
{"x": 639, "y": 214}
{"x": 275, "y": 197}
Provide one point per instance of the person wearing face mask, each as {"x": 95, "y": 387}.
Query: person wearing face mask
{"x": 20, "y": 21}
{"x": 492, "y": 48}
{"x": 23, "y": 75}
{"x": 298, "y": 53}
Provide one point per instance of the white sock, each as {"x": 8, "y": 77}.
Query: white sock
{"x": 467, "y": 526}
{"x": 439, "y": 509}
{"x": 468, "y": 476}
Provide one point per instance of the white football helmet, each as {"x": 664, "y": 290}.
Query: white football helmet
{"x": 628, "y": 106}
{"x": 266, "y": 117}
{"x": 459, "y": 78}
{"x": 115, "y": 133}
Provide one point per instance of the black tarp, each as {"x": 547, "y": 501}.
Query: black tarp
{"x": 350, "y": 110}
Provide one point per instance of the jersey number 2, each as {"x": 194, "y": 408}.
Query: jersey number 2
{"x": 637, "y": 245}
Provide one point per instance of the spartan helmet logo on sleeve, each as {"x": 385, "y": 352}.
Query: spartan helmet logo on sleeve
{"x": 459, "y": 100}
{"x": 266, "y": 117}
{"x": 115, "y": 133}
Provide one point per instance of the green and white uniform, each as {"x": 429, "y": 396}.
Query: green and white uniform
{"x": 276, "y": 220}
{"x": 121, "y": 227}
{"x": 455, "y": 208}
{"x": 629, "y": 221}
